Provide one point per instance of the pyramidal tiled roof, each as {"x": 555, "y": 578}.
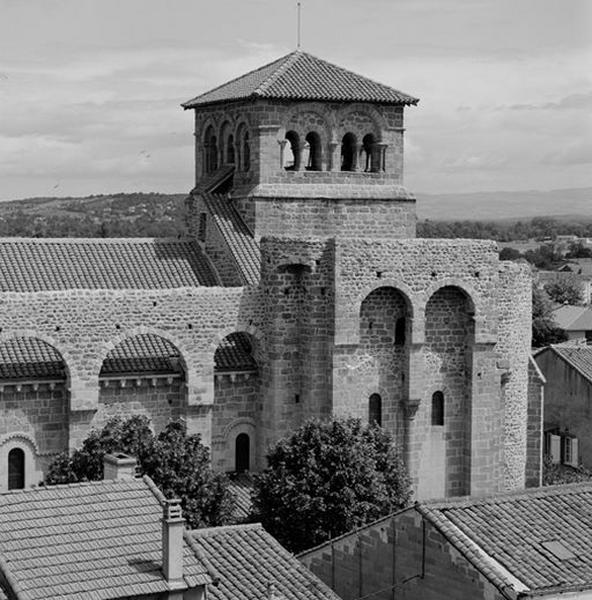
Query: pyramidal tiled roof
{"x": 97, "y": 540}
{"x": 301, "y": 76}
{"x": 252, "y": 565}
{"x": 539, "y": 539}
{"x": 36, "y": 264}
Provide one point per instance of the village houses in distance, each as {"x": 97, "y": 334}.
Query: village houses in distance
{"x": 302, "y": 292}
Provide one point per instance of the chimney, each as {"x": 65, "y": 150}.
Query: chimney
{"x": 173, "y": 525}
{"x": 118, "y": 466}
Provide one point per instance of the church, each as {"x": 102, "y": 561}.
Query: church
{"x": 300, "y": 292}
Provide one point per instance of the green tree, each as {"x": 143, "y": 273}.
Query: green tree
{"x": 544, "y": 327}
{"x": 578, "y": 250}
{"x": 565, "y": 289}
{"x": 328, "y": 478}
{"x": 179, "y": 464}
{"x": 510, "y": 254}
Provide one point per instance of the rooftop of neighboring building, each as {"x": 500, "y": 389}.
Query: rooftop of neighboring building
{"x": 241, "y": 485}
{"x": 573, "y": 318}
{"x": 99, "y": 540}
{"x": 35, "y": 264}
{"x": 579, "y": 266}
{"x": 301, "y": 76}
{"x": 536, "y": 540}
{"x": 577, "y": 356}
{"x": 254, "y": 566}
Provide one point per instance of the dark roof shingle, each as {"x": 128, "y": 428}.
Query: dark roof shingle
{"x": 95, "y": 540}
{"x": 249, "y": 561}
{"x": 25, "y": 358}
{"x": 514, "y": 529}
{"x": 35, "y": 264}
{"x": 579, "y": 357}
{"x": 235, "y": 353}
{"x": 301, "y": 76}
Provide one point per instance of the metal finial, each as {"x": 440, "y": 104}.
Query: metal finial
{"x": 299, "y": 24}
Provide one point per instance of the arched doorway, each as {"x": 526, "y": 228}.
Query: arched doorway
{"x": 16, "y": 469}
{"x": 242, "y": 453}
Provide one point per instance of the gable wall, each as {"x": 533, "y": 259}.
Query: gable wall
{"x": 397, "y": 557}
{"x": 568, "y": 400}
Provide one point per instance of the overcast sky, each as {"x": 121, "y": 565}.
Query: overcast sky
{"x": 90, "y": 89}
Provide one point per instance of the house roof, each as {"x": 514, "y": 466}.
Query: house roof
{"x": 252, "y": 565}
{"x": 579, "y": 357}
{"x": 238, "y": 238}
{"x": 535, "y": 540}
{"x": 241, "y": 485}
{"x": 579, "y": 266}
{"x": 301, "y": 76}
{"x": 94, "y": 540}
{"x": 234, "y": 353}
{"x": 35, "y": 264}
{"x": 573, "y": 318}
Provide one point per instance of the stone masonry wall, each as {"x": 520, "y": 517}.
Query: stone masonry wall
{"x": 534, "y": 426}
{"x": 514, "y": 296}
{"x": 397, "y": 558}
{"x": 40, "y": 411}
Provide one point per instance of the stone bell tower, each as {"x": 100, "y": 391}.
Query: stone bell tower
{"x": 300, "y": 206}
{"x": 314, "y": 149}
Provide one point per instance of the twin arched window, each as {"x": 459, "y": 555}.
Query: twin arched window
{"x": 308, "y": 154}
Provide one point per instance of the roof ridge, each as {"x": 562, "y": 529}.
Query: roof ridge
{"x": 222, "y": 528}
{"x": 289, "y": 60}
{"x": 75, "y": 484}
{"x": 265, "y": 66}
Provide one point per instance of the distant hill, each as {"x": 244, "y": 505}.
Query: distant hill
{"x": 162, "y": 215}
{"x": 570, "y": 204}
{"x": 109, "y": 215}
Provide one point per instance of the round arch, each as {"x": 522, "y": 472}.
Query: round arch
{"x": 27, "y": 444}
{"x": 289, "y": 121}
{"x": 405, "y": 291}
{"x": 224, "y": 333}
{"x": 451, "y": 282}
{"x": 66, "y": 357}
{"x": 377, "y": 119}
{"x": 110, "y": 345}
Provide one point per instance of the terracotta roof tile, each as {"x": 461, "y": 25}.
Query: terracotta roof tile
{"x": 249, "y": 562}
{"x": 235, "y": 354}
{"x": 241, "y": 485}
{"x": 94, "y": 540}
{"x": 301, "y": 76}
{"x": 514, "y": 529}
{"x": 144, "y": 353}
{"x": 31, "y": 265}
{"x": 25, "y": 358}
{"x": 238, "y": 237}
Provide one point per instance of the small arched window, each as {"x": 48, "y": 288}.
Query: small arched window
{"x": 246, "y": 152}
{"x": 375, "y": 409}
{"x": 369, "y": 152}
{"x": 292, "y": 152}
{"x": 16, "y": 469}
{"x": 348, "y": 152}
{"x": 314, "y": 151}
{"x": 242, "y": 453}
{"x": 400, "y": 325}
{"x": 438, "y": 408}
{"x": 230, "y": 150}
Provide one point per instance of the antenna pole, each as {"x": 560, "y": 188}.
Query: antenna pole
{"x": 299, "y": 22}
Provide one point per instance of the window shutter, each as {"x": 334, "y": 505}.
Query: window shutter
{"x": 555, "y": 448}
{"x": 575, "y": 459}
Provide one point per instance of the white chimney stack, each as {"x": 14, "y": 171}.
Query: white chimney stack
{"x": 118, "y": 466}
{"x": 173, "y": 525}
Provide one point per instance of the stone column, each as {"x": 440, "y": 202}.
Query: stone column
{"x": 335, "y": 156}
{"x": 381, "y": 156}
{"x": 282, "y": 145}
